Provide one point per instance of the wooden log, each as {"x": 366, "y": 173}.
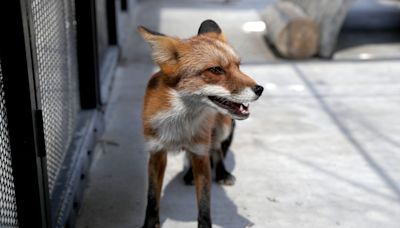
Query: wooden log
{"x": 329, "y": 14}
{"x": 291, "y": 31}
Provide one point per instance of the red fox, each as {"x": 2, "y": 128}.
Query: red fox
{"x": 190, "y": 105}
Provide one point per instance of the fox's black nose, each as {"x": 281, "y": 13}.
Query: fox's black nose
{"x": 258, "y": 90}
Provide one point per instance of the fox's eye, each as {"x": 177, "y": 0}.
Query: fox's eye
{"x": 216, "y": 70}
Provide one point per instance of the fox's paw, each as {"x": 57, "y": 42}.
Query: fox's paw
{"x": 155, "y": 226}
{"x": 151, "y": 224}
{"x": 225, "y": 179}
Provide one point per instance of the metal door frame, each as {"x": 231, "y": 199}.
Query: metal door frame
{"x": 24, "y": 117}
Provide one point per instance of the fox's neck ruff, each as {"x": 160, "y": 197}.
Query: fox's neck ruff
{"x": 186, "y": 120}
{"x": 186, "y": 110}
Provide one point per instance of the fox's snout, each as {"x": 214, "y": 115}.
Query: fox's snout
{"x": 258, "y": 90}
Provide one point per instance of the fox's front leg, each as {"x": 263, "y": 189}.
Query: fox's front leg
{"x": 157, "y": 164}
{"x": 202, "y": 180}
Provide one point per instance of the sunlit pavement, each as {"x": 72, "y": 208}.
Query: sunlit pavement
{"x": 321, "y": 148}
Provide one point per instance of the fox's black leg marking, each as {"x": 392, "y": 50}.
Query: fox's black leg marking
{"x": 204, "y": 218}
{"x": 157, "y": 164}
{"x": 202, "y": 180}
{"x": 222, "y": 176}
{"x": 188, "y": 177}
{"x": 152, "y": 210}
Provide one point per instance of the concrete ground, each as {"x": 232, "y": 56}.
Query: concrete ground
{"x": 321, "y": 148}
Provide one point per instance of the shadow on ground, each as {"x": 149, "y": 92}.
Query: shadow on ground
{"x": 179, "y": 202}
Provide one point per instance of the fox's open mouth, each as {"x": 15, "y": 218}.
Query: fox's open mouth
{"x": 238, "y": 109}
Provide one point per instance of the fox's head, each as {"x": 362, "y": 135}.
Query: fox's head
{"x": 204, "y": 69}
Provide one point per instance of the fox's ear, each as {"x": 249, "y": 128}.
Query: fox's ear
{"x": 164, "y": 48}
{"x": 212, "y": 29}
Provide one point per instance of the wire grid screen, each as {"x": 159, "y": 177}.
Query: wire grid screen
{"x": 102, "y": 31}
{"x": 55, "y": 48}
{"x": 8, "y": 204}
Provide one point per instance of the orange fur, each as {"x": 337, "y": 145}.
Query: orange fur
{"x": 190, "y": 105}
{"x": 195, "y": 55}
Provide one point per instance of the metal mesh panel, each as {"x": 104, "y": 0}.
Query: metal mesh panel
{"x": 55, "y": 45}
{"x": 8, "y": 206}
{"x": 102, "y": 31}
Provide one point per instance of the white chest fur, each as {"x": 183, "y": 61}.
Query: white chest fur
{"x": 176, "y": 128}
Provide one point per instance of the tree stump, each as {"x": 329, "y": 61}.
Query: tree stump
{"x": 329, "y": 14}
{"x": 291, "y": 31}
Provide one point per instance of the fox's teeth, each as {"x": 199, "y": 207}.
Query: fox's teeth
{"x": 243, "y": 110}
